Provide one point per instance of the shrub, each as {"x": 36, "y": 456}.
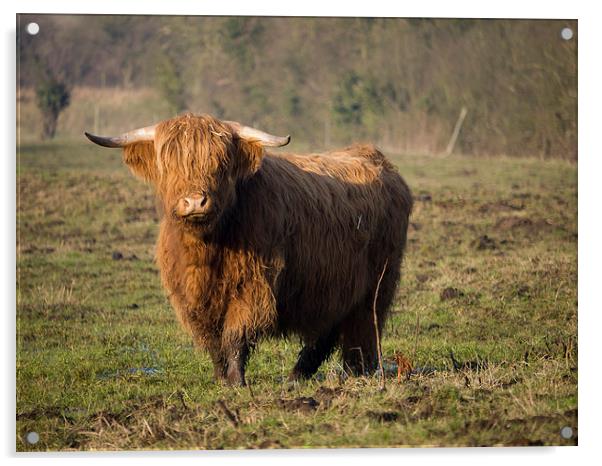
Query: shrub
{"x": 52, "y": 97}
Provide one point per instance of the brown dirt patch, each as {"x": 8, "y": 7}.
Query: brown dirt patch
{"x": 501, "y": 206}
{"x": 450, "y": 293}
{"x": 524, "y": 224}
{"x": 484, "y": 242}
{"x": 301, "y": 404}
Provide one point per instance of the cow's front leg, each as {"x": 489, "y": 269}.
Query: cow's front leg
{"x": 237, "y": 356}
{"x": 219, "y": 367}
{"x": 219, "y": 361}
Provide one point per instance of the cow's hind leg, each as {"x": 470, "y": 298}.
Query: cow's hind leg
{"x": 312, "y": 356}
{"x": 358, "y": 329}
{"x": 359, "y": 343}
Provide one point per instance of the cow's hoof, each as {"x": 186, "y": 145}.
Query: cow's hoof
{"x": 235, "y": 381}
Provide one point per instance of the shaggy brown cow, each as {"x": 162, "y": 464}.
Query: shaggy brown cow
{"x": 255, "y": 244}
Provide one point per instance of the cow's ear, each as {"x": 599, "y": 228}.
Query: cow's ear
{"x": 248, "y": 157}
{"x": 142, "y": 160}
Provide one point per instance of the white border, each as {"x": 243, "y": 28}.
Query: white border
{"x": 424, "y": 8}
{"x": 590, "y": 155}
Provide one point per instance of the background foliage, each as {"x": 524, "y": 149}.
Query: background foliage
{"x": 398, "y": 82}
{"x": 51, "y": 98}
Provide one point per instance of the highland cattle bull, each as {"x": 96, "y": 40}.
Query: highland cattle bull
{"x": 255, "y": 244}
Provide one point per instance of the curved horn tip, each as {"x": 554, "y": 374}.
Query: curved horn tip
{"x": 101, "y": 141}
{"x": 276, "y": 141}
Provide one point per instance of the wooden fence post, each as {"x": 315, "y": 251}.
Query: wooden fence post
{"x": 454, "y": 136}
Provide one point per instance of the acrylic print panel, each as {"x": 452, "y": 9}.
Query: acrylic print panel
{"x": 187, "y": 282}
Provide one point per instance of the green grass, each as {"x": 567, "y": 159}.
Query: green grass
{"x": 103, "y": 364}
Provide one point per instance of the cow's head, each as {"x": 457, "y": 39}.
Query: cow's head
{"x": 194, "y": 163}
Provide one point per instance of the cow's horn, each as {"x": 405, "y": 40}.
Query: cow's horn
{"x": 252, "y": 134}
{"x": 137, "y": 135}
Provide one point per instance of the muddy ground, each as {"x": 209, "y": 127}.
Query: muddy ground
{"x": 485, "y": 322}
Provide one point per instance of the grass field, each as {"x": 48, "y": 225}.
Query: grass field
{"x": 486, "y": 314}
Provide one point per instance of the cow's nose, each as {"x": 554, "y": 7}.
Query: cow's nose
{"x": 197, "y": 204}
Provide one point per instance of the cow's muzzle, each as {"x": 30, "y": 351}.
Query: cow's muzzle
{"x": 197, "y": 205}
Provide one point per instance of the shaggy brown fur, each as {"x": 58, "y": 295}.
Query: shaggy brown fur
{"x": 292, "y": 245}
